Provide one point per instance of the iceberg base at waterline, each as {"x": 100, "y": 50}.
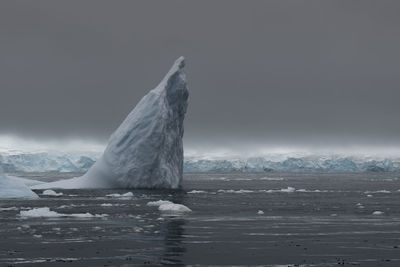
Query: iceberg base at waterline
{"x": 11, "y": 188}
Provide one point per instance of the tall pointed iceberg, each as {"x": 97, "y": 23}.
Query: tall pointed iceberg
{"x": 146, "y": 151}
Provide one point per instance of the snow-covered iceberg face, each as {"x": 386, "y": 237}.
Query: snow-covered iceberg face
{"x": 146, "y": 151}
{"x": 12, "y": 188}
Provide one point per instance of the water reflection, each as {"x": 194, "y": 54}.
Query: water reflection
{"x": 174, "y": 249}
{"x": 174, "y": 235}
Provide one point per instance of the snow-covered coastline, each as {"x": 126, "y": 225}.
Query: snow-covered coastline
{"x": 80, "y": 163}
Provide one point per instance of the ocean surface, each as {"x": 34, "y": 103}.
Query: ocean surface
{"x": 274, "y": 219}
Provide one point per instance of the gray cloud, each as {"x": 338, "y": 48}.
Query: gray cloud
{"x": 260, "y": 72}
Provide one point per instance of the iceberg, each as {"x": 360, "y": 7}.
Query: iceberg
{"x": 12, "y": 188}
{"x": 146, "y": 151}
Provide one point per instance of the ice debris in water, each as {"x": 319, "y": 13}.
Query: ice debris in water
{"x": 158, "y": 203}
{"x": 288, "y": 189}
{"x": 13, "y": 188}
{"x": 260, "y": 212}
{"x": 146, "y": 151}
{"x": 172, "y": 207}
{"x": 50, "y": 192}
{"x": 126, "y": 195}
{"x": 377, "y": 212}
{"x": 46, "y": 212}
{"x": 9, "y": 208}
{"x": 197, "y": 192}
{"x": 168, "y": 206}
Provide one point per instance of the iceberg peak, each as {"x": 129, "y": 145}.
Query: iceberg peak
{"x": 146, "y": 151}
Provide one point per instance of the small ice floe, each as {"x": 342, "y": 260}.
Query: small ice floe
{"x": 360, "y": 206}
{"x": 377, "y": 192}
{"x": 377, "y": 212}
{"x": 260, "y": 212}
{"x": 271, "y": 178}
{"x": 46, "y": 212}
{"x": 126, "y": 195}
{"x": 52, "y": 193}
{"x": 333, "y": 214}
{"x": 172, "y": 207}
{"x": 197, "y": 192}
{"x": 67, "y": 206}
{"x": 241, "y": 191}
{"x": 168, "y": 206}
{"x": 37, "y": 236}
{"x": 289, "y": 189}
{"x": 9, "y": 208}
{"x": 158, "y": 203}
{"x": 369, "y": 195}
{"x": 106, "y": 205}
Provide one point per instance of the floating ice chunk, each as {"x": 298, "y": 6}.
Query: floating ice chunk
{"x": 9, "y": 208}
{"x": 126, "y": 195}
{"x": 40, "y": 212}
{"x": 377, "y": 212}
{"x": 271, "y": 179}
{"x": 369, "y": 195}
{"x": 288, "y": 189}
{"x": 172, "y": 207}
{"x": 165, "y": 205}
{"x": 197, "y": 192}
{"x": 46, "y": 212}
{"x": 146, "y": 151}
{"x": 158, "y": 203}
{"x": 378, "y": 191}
{"x": 13, "y": 188}
{"x": 260, "y": 212}
{"x": 106, "y": 205}
{"x": 241, "y": 191}
{"x": 50, "y": 192}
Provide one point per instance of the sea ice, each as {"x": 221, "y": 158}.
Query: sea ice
{"x": 46, "y": 212}
{"x": 377, "y": 212}
{"x": 13, "y": 188}
{"x": 146, "y": 151}
{"x": 197, "y": 192}
{"x": 50, "y": 192}
{"x": 126, "y": 195}
{"x": 168, "y": 206}
{"x": 172, "y": 207}
{"x": 260, "y": 212}
{"x": 288, "y": 189}
{"x": 158, "y": 203}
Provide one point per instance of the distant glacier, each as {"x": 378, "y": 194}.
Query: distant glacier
{"x": 56, "y": 162}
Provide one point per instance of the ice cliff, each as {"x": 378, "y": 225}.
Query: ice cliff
{"x": 14, "y": 188}
{"x": 146, "y": 150}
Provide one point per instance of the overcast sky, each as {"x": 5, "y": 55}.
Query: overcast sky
{"x": 261, "y": 73}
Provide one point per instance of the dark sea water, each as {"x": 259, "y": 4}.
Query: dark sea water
{"x": 320, "y": 220}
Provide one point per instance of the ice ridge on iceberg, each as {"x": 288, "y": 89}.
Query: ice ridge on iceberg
{"x": 146, "y": 151}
